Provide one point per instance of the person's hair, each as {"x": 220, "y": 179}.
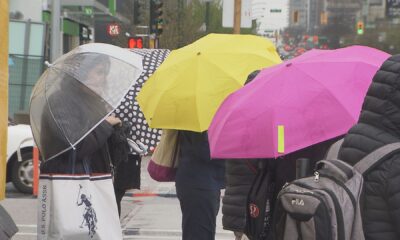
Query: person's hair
{"x": 83, "y": 62}
{"x": 93, "y": 60}
{"x": 251, "y": 76}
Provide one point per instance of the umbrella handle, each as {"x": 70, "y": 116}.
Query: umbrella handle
{"x": 138, "y": 147}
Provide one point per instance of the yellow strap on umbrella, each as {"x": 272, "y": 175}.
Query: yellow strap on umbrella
{"x": 281, "y": 139}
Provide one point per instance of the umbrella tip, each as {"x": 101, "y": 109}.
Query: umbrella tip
{"x": 288, "y": 64}
{"x": 198, "y": 53}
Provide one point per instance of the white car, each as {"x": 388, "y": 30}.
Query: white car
{"x": 20, "y": 172}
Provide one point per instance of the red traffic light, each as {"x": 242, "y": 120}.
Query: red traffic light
{"x": 135, "y": 42}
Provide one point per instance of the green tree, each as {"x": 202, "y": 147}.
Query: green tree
{"x": 185, "y": 22}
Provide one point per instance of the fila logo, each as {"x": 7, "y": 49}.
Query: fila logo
{"x": 298, "y": 202}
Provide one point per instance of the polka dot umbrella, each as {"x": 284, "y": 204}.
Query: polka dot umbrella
{"x": 129, "y": 110}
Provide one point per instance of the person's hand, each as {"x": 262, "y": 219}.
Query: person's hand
{"x": 113, "y": 120}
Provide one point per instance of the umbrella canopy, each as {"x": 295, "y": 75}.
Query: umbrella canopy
{"x": 78, "y": 92}
{"x": 304, "y": 101}
{"x": 129, "y": 110}
{"x": 191, "y": 83}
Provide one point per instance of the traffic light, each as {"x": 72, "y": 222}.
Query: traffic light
{"x": 137, "y": 7}
{"x": 135, "y": 42}
{"x": 360, "y": 28}
{"x": 324, "y": 18}
{"x": 156, "y": 17}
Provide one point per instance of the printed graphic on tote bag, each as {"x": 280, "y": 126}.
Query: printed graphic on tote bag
{"x": 89, "y": 214}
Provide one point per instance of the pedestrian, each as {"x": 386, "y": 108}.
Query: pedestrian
{"x": 198, "y": 181}
{"x": 379, "y": 125}
{"x": 93, "y": 146}
{"x": 126, "y": 163}
{"x": 90, "y": 155}
{"x": 239, "y": 175}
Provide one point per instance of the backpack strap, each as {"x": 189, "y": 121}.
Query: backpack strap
{"x": 333, "y": 151}
{"x": 376, "y": 156}
{"x": 341, "y": 170}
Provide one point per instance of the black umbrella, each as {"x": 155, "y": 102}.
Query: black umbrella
{"x": 129, "y": 110}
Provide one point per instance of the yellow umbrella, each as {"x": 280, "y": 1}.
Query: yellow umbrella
{"x": 187, "y": 89}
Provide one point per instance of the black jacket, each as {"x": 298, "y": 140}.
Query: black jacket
{"x": 239, "y": 175}
{"x": 239, "y": 178}
{"x": 378, "y": 125}
{"x": 93, "y": 148}
{"x": 196, "y": 170}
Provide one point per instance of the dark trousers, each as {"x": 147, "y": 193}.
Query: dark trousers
{"x": 119, "y": 193}
{"x": 199, "y": 212}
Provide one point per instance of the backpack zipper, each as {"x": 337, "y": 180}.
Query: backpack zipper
{"x": 352, "y": 199}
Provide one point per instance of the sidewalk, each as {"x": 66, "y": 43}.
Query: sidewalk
{"x": 156, "y": 211}
{"x": 150, "y": 187}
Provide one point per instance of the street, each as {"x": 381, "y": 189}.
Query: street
{"x": 153, "y": 213}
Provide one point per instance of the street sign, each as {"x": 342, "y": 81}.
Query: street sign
{"x": 113, "y": 29}
{"x": 275, "y": 10}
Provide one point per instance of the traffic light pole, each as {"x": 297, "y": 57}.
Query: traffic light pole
{"x": 237, "y": 16}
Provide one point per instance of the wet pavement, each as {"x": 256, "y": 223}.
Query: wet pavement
{"x": 152, "y": 213}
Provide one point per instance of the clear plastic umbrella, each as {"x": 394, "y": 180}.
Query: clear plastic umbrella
{"x": 77, "y": 92}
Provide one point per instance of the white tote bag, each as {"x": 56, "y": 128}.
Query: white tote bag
{"x": 77, "y": 207}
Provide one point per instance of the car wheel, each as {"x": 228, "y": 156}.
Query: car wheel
{"x": 22, "y": 173}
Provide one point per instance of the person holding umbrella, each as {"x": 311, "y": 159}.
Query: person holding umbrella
{"x": 71, "y": 120}
{"x": 377, "y": 126}
{"x": 198, "y": 184}
{"x": 239, "y": 175}
{"x": 183, "y": 94}
{"x": 93, "y": 147}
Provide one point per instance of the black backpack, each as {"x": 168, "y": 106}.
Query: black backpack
{"x": 259, "y": 204}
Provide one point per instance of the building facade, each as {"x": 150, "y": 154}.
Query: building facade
{"x": 29, "y": 38}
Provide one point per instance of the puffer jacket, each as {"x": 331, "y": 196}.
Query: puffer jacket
{"x": 239, "y": 175}
{"x": 239, "y": 178}
{"x": 378, "y": 125}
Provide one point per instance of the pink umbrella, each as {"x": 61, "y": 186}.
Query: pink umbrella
{"x": 306, "y": 100}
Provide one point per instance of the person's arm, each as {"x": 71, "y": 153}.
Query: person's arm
{"x": 97, "y": 138}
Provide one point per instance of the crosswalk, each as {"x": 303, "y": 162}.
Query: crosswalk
{"x": 29, "y": 232}
{"x": 167, "y": 234}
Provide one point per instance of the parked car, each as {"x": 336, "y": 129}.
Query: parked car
{"x": 20, "y": 173}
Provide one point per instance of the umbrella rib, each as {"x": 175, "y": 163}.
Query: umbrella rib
{"x": 51, "y": 112}
{"x": 320, "y": 83}
{"x": 91, "y": 129}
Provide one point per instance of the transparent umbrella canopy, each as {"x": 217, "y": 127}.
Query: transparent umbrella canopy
{"x": 77, "y": 92}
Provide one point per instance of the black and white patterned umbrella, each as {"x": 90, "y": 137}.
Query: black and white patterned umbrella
{"x": 129, "y": 110}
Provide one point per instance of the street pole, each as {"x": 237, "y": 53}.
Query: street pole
{"x": 308, "y": 16}
{"x": 236, "y": 17}
{"x": 55, "y": 47}
{"x": 207, "y": 20}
